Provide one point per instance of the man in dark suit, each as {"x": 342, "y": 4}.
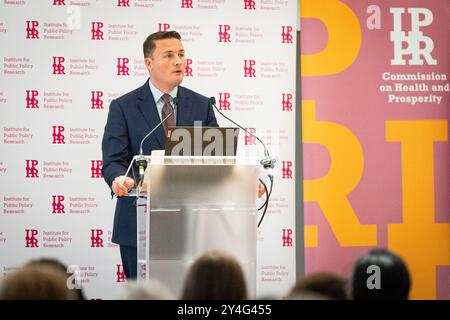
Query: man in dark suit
{"x": 133, "y": 115}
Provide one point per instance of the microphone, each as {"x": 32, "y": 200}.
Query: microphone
{"x": 267, "y": 162}
{"x": 141, "y": 162}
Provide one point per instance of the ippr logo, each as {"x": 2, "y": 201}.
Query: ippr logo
{"x": 249, "y": 71}
{"x": 96, "y": 168}
{"x": 287, "y": 238}
{"x": 96, "y": 239}
{"x": 249, "y": 5}
{"x": 123, "y": 3}
{"x": 224, "y": 104}
{"x": 96, "y": 31}
{"x": 187, "y": 4}
{"x": 58, "y": 67}
{"x": 59, "y": 3}
{"x": 286, "y": 34}
{"x": 224, "y": 35}
{"x": 30, "y": 238}
{"x": 32, "y": 171}
{"x": 286, "y": 170}
{"x": 120, "y": 274}
{"x": 32, "y": 102}
{"x": 122, "y": 68}
{"x": 32, "y": 32}
{"x": 248, "y": 138}
{"x": 163, "y": 26}
{"x": 57, "y": 204}
{"x": 96, "y": 100}
{"x": 286, "y": 101}
{"x": 417, "y": 45}
{"x": 58, "y": 137}
{"x": 188, "y": 69}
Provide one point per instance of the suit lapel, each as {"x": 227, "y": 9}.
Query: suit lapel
{"x": 185, "y": 115}
{"x": 147, "y": 107}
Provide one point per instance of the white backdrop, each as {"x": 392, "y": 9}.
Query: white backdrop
{"x": 62, "y": 64}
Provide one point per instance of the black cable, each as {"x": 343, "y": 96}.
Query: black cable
{"x": 264, "y": 212}
{"x": 265, "y": 189}
{"x": 270, "y": 192}
{"x": 266, "y": 203}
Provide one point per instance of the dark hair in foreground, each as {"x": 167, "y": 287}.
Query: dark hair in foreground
{"x": 215, "y": 275}
{"x": 324, "y": 283}
{"x": 35, "y": 282}
{"x": 51, "y": 262}
{"x": 394, "y": 277}
{"x": 149, "y": 43}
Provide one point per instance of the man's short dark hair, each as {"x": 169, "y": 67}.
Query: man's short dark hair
{"x": 149, "y": 43}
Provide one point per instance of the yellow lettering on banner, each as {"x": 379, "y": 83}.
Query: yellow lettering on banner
{"x": 331, "y": 190}
{"x": 311, "y": 236}
{"x": 423, "y": 243}
{"x": 344, "y": 37}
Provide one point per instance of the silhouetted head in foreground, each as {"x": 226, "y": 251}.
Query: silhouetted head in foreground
{"x": 325, "y": 284}
{"x": 57, "y": 264}
{"x": 380, "y": 275}
{"x": 36, "y": 283}
{"x": 149, "y": 290}
{"x": 215, "y": 275}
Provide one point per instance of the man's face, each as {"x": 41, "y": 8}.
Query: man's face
{"x": 166, "y": 65}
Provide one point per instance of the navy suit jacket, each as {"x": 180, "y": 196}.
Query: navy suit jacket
{"x": 130, "y": 118}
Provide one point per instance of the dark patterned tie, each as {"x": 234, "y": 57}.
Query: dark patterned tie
{"x": 166, "y": 110}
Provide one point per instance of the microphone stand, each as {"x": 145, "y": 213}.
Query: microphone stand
{"x": 267, "y": 162}
{"x": 141, "y": 162}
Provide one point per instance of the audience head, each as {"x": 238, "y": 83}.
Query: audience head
{"x": 51, "y": 262}
{"x": 215, "y": 275}
{"x": 393, "y": 282}
{"x": 325, "y": 284}
{"x": 151, "y": 290}
{"x": 306, "y": 295}
{"x": 36, "y": 283}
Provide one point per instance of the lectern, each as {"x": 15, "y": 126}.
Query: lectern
{"x": 187, "y": 205}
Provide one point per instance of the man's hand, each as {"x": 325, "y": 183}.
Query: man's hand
{"x": 121, "y": 185}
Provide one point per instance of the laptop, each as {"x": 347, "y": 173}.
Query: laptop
{"x": 201, "y": 141}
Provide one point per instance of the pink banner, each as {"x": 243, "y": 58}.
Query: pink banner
{"x": 375, "y": 91}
